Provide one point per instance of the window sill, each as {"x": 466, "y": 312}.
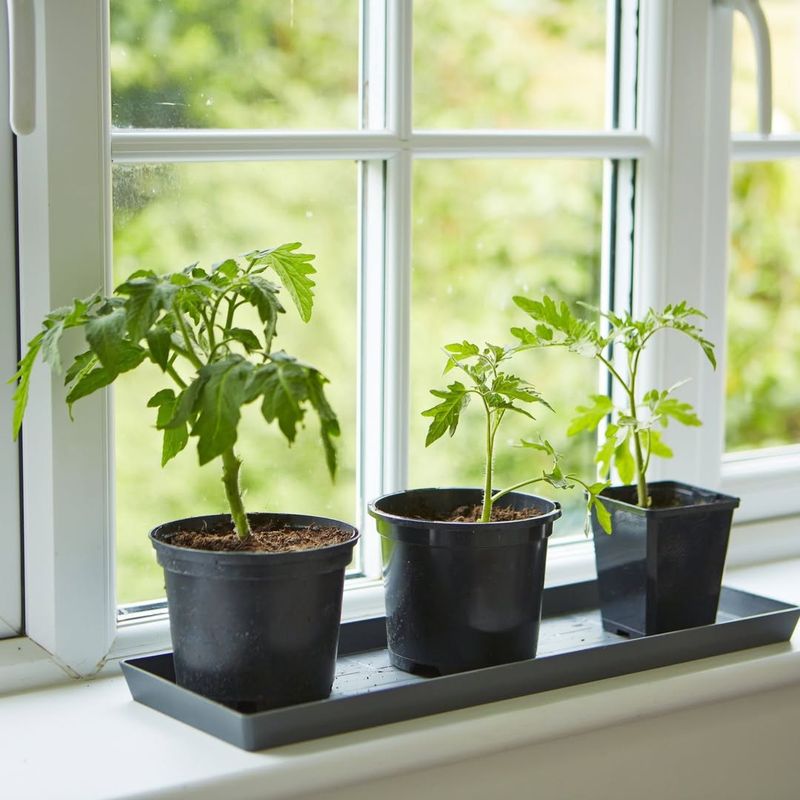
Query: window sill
{"x": 106, "y": 728}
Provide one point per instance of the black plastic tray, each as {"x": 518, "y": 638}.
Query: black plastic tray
{"x": 368, "y": 691}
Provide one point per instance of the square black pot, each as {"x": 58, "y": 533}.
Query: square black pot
{"x": 661, "y": 568}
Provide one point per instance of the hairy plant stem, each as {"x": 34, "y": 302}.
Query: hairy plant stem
{"x": 641, "y": 480}
{"x": 230, "y": 480}
{"x": 486, "y": 513}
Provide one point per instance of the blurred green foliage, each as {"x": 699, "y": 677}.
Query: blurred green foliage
{"x": 482, "y": 230}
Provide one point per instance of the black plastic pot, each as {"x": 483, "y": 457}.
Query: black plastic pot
{"x": 661, "y": 568}
{"x": 254, "y": 630}
{"x": 461, "y": 595}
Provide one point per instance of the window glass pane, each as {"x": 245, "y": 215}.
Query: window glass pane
{"x": 509, "y": 64}
{"x": 169, "y": 216}
{"x": 783, "y": 18}
{"x": 763, "y": 381}
{"x": 224, "y": 64}
{"x": 483, "y": 232}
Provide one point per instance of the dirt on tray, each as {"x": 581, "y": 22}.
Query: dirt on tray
{"x": 263, "y": 539}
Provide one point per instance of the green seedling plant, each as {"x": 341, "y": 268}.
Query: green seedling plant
{"x": 189, "y": 324}
{"x": 633, "y": 434}
{"x": 498, "y": 392}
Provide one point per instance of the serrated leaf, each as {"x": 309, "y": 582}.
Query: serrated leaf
{"x": 91, "y": 381}
{"x": 146, "y": 298}
{"x": 293, "y": 269}
{"x": 285, "y": 388}
{"x": 187, "y": 404}
{"x": 328, "y": 423}
{"x": 228, "y": 267}
{"x": 587, "y": 418}
{"x": 82, "y": 363}
{"x": 463, "y": 349}
{"x": 175, "y": 438}
{"x": 219, "y": 404}
{"x": 245, "y": 337}
{"x": 603, "y": 516}
{"x": 447, "y": 413}
{"x": 106, "y": 336}
{"x": 543, "y": 446}
{"x": 263, "y": 295}
{"x": 605, "y": 453}
{"x": 671, "y": 407}
{"x": 287, "y": 385}
{"x": 159, "y": 342}
{"x": 624, "y": 463}
{"x": 652, "y": 442}
{"x": 23, "y": 378}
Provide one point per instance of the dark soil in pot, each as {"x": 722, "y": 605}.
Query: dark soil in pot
{"x": 661, "y": 568}
{"x": 255, "y": 629}
{"x": 462, "y": 595}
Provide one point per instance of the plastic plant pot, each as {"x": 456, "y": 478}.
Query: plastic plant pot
{"x": 461, "y": 595}
{"x": 254, "y": 630}
{"x": 661, "y": 568}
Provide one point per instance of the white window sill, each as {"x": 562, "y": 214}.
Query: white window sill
{"x": 120, "y": 749}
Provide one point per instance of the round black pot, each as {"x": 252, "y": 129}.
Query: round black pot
{"x": 461, "y": 595}
{"x": 661, "y": 568}
{"x": 254, "y": 630}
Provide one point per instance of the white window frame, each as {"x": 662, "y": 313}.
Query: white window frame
{"x": 681, "y": 148}
{"x": 10, "y": 532}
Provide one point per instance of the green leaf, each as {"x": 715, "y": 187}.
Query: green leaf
{"x": 463, "y": 349}
{"x": 86, "y": 376}
{"x": 229, "y": 267}
{"x": 587, "y": 418}
{"x": 81, "y": 365}
{"x": 23, "y": 378}
{"x": 605, "y": 453}
{"x": 263, "y": 295}
{"x": 603, "y": 516}
{"x": 671, "y": 407}
{"x": 187, "y": 405}
{"x": 175, "y": 438}
{"x": 328, "y": 423}
{"x": 284, "y": 386}
{"x": 245, "y": 337}
{"x": 159, "y": 341}
{"x": 147, "y": 297}
{"x": 652, "y": 442}
{"x": 221, "y": 396}
{"x": 287, "y": 385}
{"x": 293, "y": 269}
{"x": 106, "y": 337}
{"x": 88, "y": 382}
{"x": 623, "y": 461}
{"x": 447, "y": 413}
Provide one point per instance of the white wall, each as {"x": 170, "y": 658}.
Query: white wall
{"x": 743, "y": 749}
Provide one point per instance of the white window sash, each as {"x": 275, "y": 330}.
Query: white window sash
{"x": 10, "y": 541}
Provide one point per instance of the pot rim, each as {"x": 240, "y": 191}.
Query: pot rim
{"x": 292, "y": 520}
{"x": 415, "y": 522}
{"x": 715, "y": 500}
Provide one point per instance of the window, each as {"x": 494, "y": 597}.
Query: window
{"x": 10, "y": 541}
{"x": 437, "y": 159}
{"x": 762, "y": 430}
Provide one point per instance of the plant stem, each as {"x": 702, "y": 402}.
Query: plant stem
{"x": 230, "y": 480}
{"x": 641, "y": 480}
{"x": 486, "y": 514}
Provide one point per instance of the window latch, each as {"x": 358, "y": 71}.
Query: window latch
{"x": 754, "y": 15}
{"x": 22, "y": 66}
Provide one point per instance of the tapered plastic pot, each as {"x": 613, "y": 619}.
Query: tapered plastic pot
{"x": 661, "y": 567}
{"x": 254, "y": 630}
{"x": 459, "y": 595}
